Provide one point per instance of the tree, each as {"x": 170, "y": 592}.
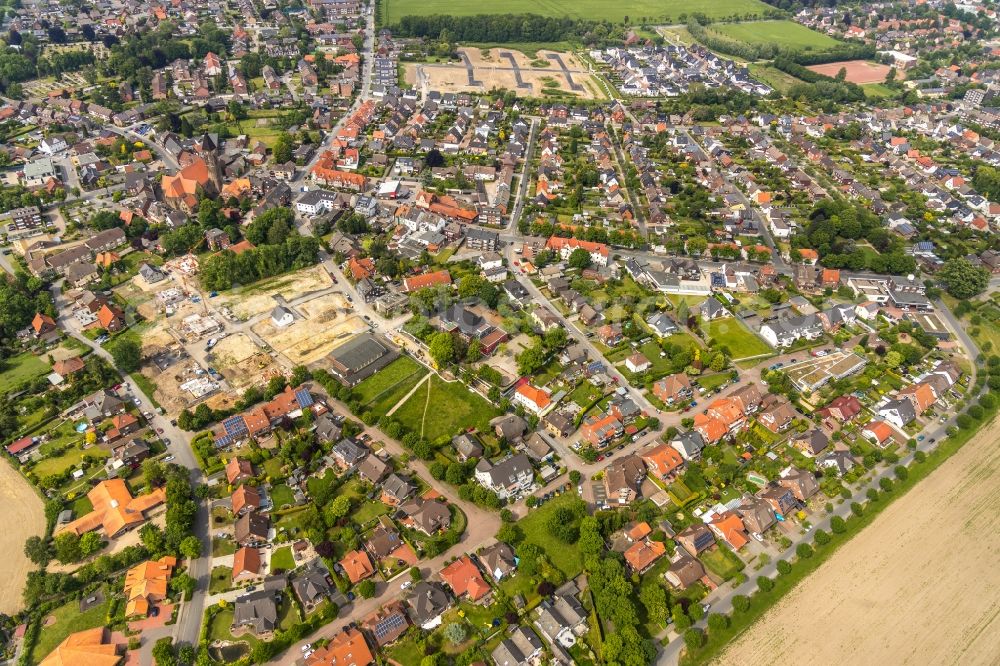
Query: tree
{"x": 434, "y": 158}
{"x": 90, "y": 543}
{"x": 963, "y": 279}
{"x": 579, "y": 258}
{"x": 741, "y": 603}
{"x": 765, "y": 584}
{"x": 153, "y": 472}
{"x": 338, "y": 508}
{"x": 126, "y": 352}
{"x": 67, "y": 548}
{"x": 455, "y": 633}
{"x": 442, "y": 349}
{"x": 152, "y": 538}
{"x": 694, "y": 638}
{"x": 163, "y": 652}
{"x": 191, "y": 547}
{"x": 36, "y": 550}
{"x": 717, "y": 622}
{"x": 654, "y": 599}
{"x": 282, "y": 151}
{"x": 784, "y": 567}
{"x": 893, "y": 359}
{"x": 415, "y": 574}
{"x": 838, "y": 525}
{"x": 366, "y": 588}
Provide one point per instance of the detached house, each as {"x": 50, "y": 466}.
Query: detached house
{"x": 507, "y": 478}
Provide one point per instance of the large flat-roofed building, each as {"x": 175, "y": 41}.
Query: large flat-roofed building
{"x": 360, "y": 358}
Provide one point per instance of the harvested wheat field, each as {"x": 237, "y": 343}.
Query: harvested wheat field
{"x": 920, "y": 585}
{"x": 24, "y": 506}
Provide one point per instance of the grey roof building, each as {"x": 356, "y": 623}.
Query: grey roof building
{"x": 257, "y": 611}
{"x": 520, "y": 648}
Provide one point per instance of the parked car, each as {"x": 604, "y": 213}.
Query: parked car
{"x": 406, "y": 585}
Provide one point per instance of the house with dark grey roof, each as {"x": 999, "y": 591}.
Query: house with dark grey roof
{"x": 498, "y": 560}
{"x": 522, "y": 647}
{"x": 327, "y": 428}
{"x": 689, "y": 444}
{"x": 347, "y": 453}
{"x": 251, "y": 529}
{"x": 561, "y": 620}
{"x": 428, "y": 602}
{"x": 396, "y": 489}
{"x": 898, "y": 412}
{"x": 360, "y": 358}
{"x": 508, "y": 477}
{"x": 257, "y": 612}
{"x": 467, "y": 446}
{"x": 373, "y": 469}
{"x": 312, "y": 585}
{"x": 428, "y": 516}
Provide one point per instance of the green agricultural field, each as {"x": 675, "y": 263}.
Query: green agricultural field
{"x": 728, "y": 332}
{"x": 21, "y": 368}
{"x": 645, "y": 11}
{"x": 785, "y": 34}
{"x": 442, "y": 409}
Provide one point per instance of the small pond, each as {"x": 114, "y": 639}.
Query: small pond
{"x": 227, "y": 654}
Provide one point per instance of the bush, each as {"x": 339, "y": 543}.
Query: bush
{"x": 901, "y": 472}
{"x": 804, "y": 551}
{"x": 718, "y": 622}
{"x": 838, "y": 525}
{"x": 765, "y": 584}
{"x": 784, "y": 567}
{"x": 694, "y": 638}
{"x": 857, "y": 509}
{"x": 885, "y": 483}
{"x": 741, "y": 603}
{"x": 872, "y": 495}
{"x": 919, "y": 456}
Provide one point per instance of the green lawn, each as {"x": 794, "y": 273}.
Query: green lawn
{"x": 222, "y": 580}
{"x": 566, "y": 559}
{"x": 728, "y": 332}
{"x": 69, "y": 458}
{"x": 69, "y": 619}
{"x": 711, "y": 382}
{"x": 282, "y": 559}
{"x": 388, "y": 379}
{"x": 21, "y": 368}
{"x": 774, "y": 77}
{"x": 318, "y": 484}
{"x": 441, "y": 409}
{"x": 877, "y": 90}
{"x": 281, "y": 495}
{"x": 272, "y": 468}
{"x": 722, "y": 562}
{"x": 369, "y": 511}
{"x": 785, "y": 34}
{"x": 222, "y": 547}
{"x": 146, "y": 385}
{"x": 648, "y": 11}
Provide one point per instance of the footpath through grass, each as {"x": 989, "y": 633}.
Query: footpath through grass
{"x": 761, "y": 601}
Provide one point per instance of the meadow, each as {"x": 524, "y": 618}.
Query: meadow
{"x": 785, "y": 34}
{"x": 644, "y": 11}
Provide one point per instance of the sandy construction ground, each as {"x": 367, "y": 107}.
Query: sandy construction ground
{"x": 494, "y": 71}
{"x": 243, "y": 363}
{"x": 920, "y": 585}
{"x": 26, "y": 517}
{"x": 328, "y": 322}
{"x": 858, "y": 71}
{"x": 257, "y": 299}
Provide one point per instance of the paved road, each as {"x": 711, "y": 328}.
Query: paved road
{"x": 188, "y": 623}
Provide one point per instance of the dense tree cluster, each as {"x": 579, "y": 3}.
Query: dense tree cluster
{"x": 835, "y": 227}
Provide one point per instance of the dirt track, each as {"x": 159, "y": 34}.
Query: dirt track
{"x": 25, "y": 517}
{"x": 918, "y": 586}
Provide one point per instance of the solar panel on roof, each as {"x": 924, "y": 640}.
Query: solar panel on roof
{"x": 234, "y": 424}
{"x": 388, "y": 625}
{"x": 304, "y": 398}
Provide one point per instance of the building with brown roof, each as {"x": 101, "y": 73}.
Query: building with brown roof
{"x": 695, "y": 538}
{"x": 252, "y": 529}
{"x": 91, "y": 647}
{"x": 115, "y": 511}
{"x": 357, "y": 566}
{"x": 663, "y": 461}
{"x": 802, "y": 483}
{"x": 640, "y": 556}
{"x": 245, "y": 498}
{"x": 673, "y": 388}
{"x": 146, "y": 584}
{"x": 387, "y": 624}
{"x": 842, "y": 408}
{"x": 42, "y": 324}
{"x": 757, "y": 514}
{"x": 623, "y": 479}
{"x": 684, "y": 572}
{"x": 463, "y": 577}
{"x": 777, "y": 414}
{"x": 347, "y": 648}
{"x": 246, "y": 564}
{"x": 238, "y": 470}
{"x": 69, "y": 366}
{"x": 433, "y": 279}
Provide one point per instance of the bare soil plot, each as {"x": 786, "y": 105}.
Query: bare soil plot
{"x": 495, "y": 71}
{"x": 259, "y": 298}
{"x": 327, "y": 324}
{"x": 27, "y": 518}
{"x": 858, "y": 71}
{"x": 243, "y": 363}
{"x": 917, "y": 586}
